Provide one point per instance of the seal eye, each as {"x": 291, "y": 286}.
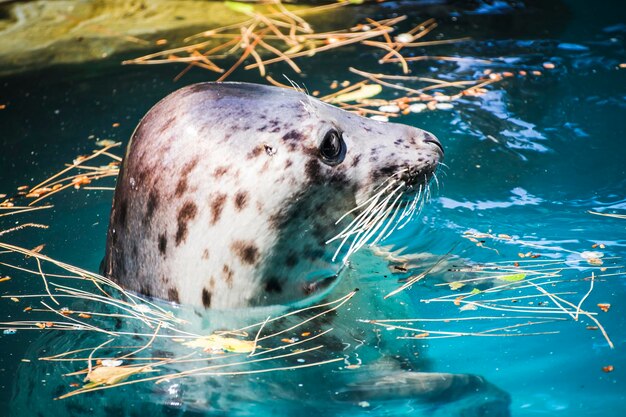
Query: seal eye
{"x": 332, "y": 148}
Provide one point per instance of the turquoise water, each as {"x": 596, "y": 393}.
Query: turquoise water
{"x": 529, "y": 159}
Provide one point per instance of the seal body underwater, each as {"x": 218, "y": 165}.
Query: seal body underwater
{"x": 229, "y": 193}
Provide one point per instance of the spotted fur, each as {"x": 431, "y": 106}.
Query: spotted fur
{"x": 224, "y": 194}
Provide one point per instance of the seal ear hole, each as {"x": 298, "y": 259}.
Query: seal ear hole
{"x": 333, "y": 148}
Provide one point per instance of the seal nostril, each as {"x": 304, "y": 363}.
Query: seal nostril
{"x": 434, "y": 141}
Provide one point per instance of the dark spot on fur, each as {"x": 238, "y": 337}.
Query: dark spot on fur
{"x": 162, "y": 243}
{"x": 181, "y": 187}
{"x": 217, "y": 205}
{"x": 228, "y": 276}
{"x": 121, "y": 214}
{"x": 313, "y": 171}
{"x": 205, "y": 254}
{"x": 206, "y": 298}
{"x": 385, "y": 172}
{"x": 291, "y": 260}
{"x": 288, "y": 163}
{"x": 153, "y": 204}
{"x": 187, "y": 212}
{"x": 293, "y": 135}
{"x": 356, "y": 160}
{"x": 241, "y": 200}
{"x": 246, "y": 251}
{"x": 165, "y": 126}
{"x": 145, "y": 290}
{"x": 220, "y": 171}
{"x": 256, "y": 151}
{"x": 189, "y": 166}
{"x": 172, "y": 295}
{"x": 273, "y": 285}
{"x": 313, "y": 253}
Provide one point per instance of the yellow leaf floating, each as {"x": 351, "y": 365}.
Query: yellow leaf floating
{"x": 366, "y": 91}
{"x": 469, "y": 306}
{"x": 105, "y": 142}
{"x": 213, "y": 343}
{"x": 456, "y": 285}
{"x": 512, "y": 278}
{"x": 106, "y": 375}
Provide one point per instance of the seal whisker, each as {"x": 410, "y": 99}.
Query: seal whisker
{"x": 367, "y": 220}
{"x": 388, "y": 210}
{"x": 414, "y": 209}
{"x": 353, "y": 228}
{"x": 390, "y": 222}
{"x": 364, "y": 217}
{"x": 427, "y": 186}
{"x": 375, "y": 196}
{"x": 436, "y": 180}
{"x": 411, "y": 206}
{"x": 376, "y": 223}
{"x": 357, "y": 222}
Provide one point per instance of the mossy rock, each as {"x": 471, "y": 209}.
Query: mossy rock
{"x": 38, "y": 34}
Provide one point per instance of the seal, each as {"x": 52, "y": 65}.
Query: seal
{"x": 229, "y": 194}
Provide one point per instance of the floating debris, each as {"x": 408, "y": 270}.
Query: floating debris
{"x": 390, "y": 108}
{"x": 417, "y": 107}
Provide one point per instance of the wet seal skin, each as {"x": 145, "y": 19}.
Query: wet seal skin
{"x": 229, "y": 193}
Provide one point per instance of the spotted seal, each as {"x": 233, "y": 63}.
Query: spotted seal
{"x": 229, "y": 193}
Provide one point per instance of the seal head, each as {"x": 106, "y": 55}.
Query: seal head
{"x": 229, "y": 193}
